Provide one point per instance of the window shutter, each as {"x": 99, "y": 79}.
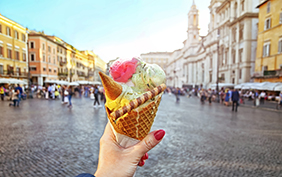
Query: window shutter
{"x": 281, "y": 17}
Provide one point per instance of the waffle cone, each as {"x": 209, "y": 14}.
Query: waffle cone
{"x": 138, "y": 122}
{"x": 112, "y": 89}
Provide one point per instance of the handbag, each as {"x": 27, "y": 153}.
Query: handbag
{"x": 66, "y": 93}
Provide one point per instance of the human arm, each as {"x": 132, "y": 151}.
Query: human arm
{"x": 115, "y": 160}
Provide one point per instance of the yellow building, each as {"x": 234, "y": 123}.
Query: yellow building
{"x": 100, "y": 65}
{"x": 268, "y": 65}
{"x": 13, "y": 49}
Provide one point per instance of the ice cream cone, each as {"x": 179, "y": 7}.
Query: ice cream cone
{"x": 136, "y": 118}
{"x": 112, "y": 89}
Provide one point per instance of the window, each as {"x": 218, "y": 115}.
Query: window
{"x": 210, "y": 77}
{"x": 32, "y": 57}
{"x": 16, "y": 35}
{"x": 54, "y": 59}
{"x": 242, "y": 6}
{"x": 1, "y": 69}
{"x": 234, "y": 30}
{"x": 53, "y": 50}
{"x": 280, "y": 20}
{"x": 280, "y": 46}
{"x": 24, "y": 56}
{"x": 32, "y": 45}
{"x": 1, "y": 30}
{"x": 1, "y": 51}
{"x": 240, "y": 74}
{"x": 241, "y": 55}
{"x": 17, "y": 55}
{"x": 241, "y": 32}
{"x": 8, "y": 32}
{"x": 210, "y": 62}
{"x": 9, "y": 52}
{"x": 55, "y": 70}
{"x": 267, "y": 24}
{"x": 264, "y": 68}
{"x": 226, "y": 57}
{"x": 49, "y": 59}
{"x": 43, "y": 57}
{"x": 49, "y": 49}
{"x": 44, "y": 69}
{"x": 43, "y": 46}
{"x": 33, "y": 68}
{"x": 23, "y": 37}
{"x": 235, "y": 10}
{"x": 266, "y": 50}
{"x": 268, "y": 7}
{"x": 50, "y": 70}
{"x": 233, "y": 56}
{"x": 233, "y": 80}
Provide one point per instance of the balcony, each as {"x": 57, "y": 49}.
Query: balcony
{"x": 11, "y": 73}
{"x": 268, "y": 74}
{"x": 60, "y": 74}
{"x": 63, "y": 63}
{"x": 81, "y": 74}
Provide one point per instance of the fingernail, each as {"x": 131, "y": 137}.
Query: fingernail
{"x": 141, "y": 163}
{"x": 146, "y": 156}
{"x": 159, "y": 134}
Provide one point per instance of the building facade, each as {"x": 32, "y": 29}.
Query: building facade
{"x": 43, "y": 61}
{"x": 225, "y": 55}
{"x": 268, "y": 65}
{"x": 13, "y": 49}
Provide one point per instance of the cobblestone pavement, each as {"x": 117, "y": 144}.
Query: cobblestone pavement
{"x": 45, "y": 138}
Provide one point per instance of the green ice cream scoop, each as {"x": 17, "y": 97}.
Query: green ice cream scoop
{"x": 148, "y": 76}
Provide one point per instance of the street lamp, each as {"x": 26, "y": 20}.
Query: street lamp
{"x": 217, "y": 67}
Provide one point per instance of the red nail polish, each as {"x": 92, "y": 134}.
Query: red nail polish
{"x": 141, "y": 163}
{"x": 159, "y": 134}
{"x": 146, "y": 156}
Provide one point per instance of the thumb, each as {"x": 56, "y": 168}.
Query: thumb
{"x": 149, "y": 142}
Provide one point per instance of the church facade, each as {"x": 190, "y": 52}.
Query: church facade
{"x": 226, "y": 54}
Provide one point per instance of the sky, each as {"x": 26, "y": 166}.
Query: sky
{"x": 111, "y": 28}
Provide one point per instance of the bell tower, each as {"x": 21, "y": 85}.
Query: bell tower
{"x": 193, "y": 26}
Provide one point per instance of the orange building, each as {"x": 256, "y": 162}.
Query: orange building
{"x": 43, "y": 58}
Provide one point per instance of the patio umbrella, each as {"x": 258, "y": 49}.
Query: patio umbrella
{"x": 74, "y": 84}
{"x": 278, "y": 87}
{"x": 4, "y": 81}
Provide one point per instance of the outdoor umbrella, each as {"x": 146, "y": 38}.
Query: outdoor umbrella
{"x": 74, "y": 84}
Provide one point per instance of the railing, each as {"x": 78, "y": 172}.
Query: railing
{"x": 62, "y": 74}
{"x": 272, "y": 73}
{"x": 12, "y": 73}
{"x": 81, "y": 74}
{"x": 62, "y": 63}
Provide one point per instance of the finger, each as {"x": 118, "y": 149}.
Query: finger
{"x": 149, "y": 142}
{"x": 108, "y": 134}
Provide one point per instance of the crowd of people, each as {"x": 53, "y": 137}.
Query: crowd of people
{"x": 228, "y": 96}
{"x": 15, "y": 93}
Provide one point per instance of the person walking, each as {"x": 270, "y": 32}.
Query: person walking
{"x": 235, "y": 96}
{"x": 70, "y": 93}
{"x": 177, "y": 94}
{"x": 15, "y": 97}
{"x": 96, "y": 96}
{"x": 19, "y": 88}
{"x": 2, "y": 92}
{"x": 227, "y": 97}
{"x": 262, "y": 97}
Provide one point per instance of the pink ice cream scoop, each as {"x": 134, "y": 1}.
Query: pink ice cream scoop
{"x": 123, "y": 69}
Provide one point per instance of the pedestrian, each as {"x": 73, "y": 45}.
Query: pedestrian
{"x": 209, "y": 93}
{"x": 96, "y": 96}
{"x": 15, "y": 97}
{"x": 63, "y": 94}
{"x": 235, "y": 98}
{"x": 70, "y": 93}
{"x": 128, "y": 158}
{"x": 262, "y": 97}
{"x": 177, "y": 93}
{"x": 19, "y": 88}
{"x": 256, "y": 100}
{"x": 2, "y": 92}
{"x": 227, "y": 97}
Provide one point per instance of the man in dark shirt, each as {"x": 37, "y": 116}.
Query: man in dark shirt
{"x": 20, "y": 92}
{"x": 235, "y": 98}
